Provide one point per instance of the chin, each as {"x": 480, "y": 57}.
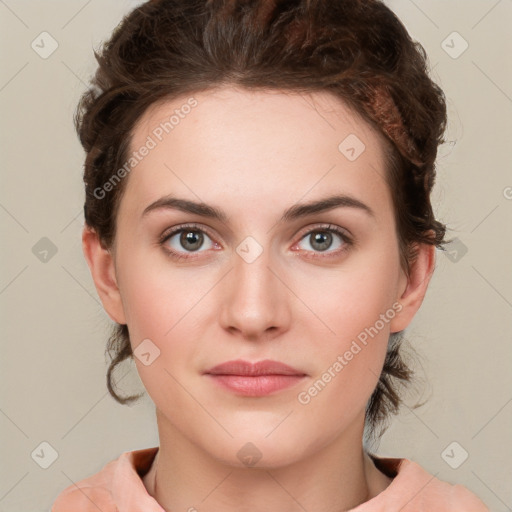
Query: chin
{"x": 258, "y": 451}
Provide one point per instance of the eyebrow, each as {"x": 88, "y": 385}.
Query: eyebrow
{"x": 294, "y": 212}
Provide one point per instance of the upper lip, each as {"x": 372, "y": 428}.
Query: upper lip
{"x": 266, "y": 367}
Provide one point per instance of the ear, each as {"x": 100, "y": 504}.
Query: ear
{"x": 413, "y": 289}
{"x": 101, "y": 265}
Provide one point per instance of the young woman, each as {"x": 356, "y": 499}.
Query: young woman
{"x": 259, "y": 226}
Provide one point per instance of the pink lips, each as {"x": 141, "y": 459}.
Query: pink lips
{"x": 259, "y": 379}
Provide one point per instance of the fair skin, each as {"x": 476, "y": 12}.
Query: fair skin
{"x": 253, "y": 155}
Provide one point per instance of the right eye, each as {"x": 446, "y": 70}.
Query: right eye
{"x": 191, "y": 238}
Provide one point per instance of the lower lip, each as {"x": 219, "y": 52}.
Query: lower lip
{"x": 258, "y": 385}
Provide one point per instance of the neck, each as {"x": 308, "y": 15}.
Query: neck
{"x": 337, "y": 477}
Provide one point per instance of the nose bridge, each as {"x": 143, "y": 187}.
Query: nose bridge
{"x": 255, "y": 300}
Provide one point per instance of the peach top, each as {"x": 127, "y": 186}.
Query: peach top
{"x": 118, "y": 487}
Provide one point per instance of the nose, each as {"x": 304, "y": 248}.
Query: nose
{"x": 255, "y": 301}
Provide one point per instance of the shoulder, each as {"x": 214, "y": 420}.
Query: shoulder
{"x": 431, "y": 491}
{"x": 90, "y": 494}
{"x": 110, "y": 487}
{"x": 463, "y": 497}
{"x": 413, "y": 489}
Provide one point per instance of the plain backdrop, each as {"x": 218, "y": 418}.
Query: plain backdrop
{"x": 54, "y": 329}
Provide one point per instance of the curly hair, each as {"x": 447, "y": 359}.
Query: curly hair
{"x": 358, "y": 50}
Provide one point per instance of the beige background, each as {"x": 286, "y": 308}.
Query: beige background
{"x": 53, "y": 326}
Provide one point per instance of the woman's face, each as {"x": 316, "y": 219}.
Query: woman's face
{"x": 255, "y": 285}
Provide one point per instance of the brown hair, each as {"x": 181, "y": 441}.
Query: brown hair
{"x": 358, "y": 50}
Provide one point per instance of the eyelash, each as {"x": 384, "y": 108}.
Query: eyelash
{"x": 348, "y": 242}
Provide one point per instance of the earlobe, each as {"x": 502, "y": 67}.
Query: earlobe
{"x": 413, "y": 293}
{"x": 101, "y": 265}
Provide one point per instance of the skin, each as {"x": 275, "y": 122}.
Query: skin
{"x": 254, "y": 154}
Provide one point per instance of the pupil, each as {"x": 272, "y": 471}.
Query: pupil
{"x": 323, "y": 240}
{"x": 191, "y": 237}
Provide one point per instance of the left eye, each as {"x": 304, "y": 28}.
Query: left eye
{"x": 321, "y": 239}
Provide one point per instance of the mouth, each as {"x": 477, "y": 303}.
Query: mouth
{"x": 258, "y": 379}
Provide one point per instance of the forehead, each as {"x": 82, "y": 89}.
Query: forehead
{"x": 250, "y": 143}
{"x": 224, "y": 110}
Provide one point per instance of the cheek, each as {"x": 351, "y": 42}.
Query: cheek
{"x": 165, "y": 310}
{"x": 157, "y": 298}
{"x": 351, "y": 299}
{"x": 350, "y": 361}
{"x": 353, "y": 310}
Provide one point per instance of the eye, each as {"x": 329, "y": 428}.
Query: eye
{"x": 321, "y": 239}
{"x": 191, "y": 238}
